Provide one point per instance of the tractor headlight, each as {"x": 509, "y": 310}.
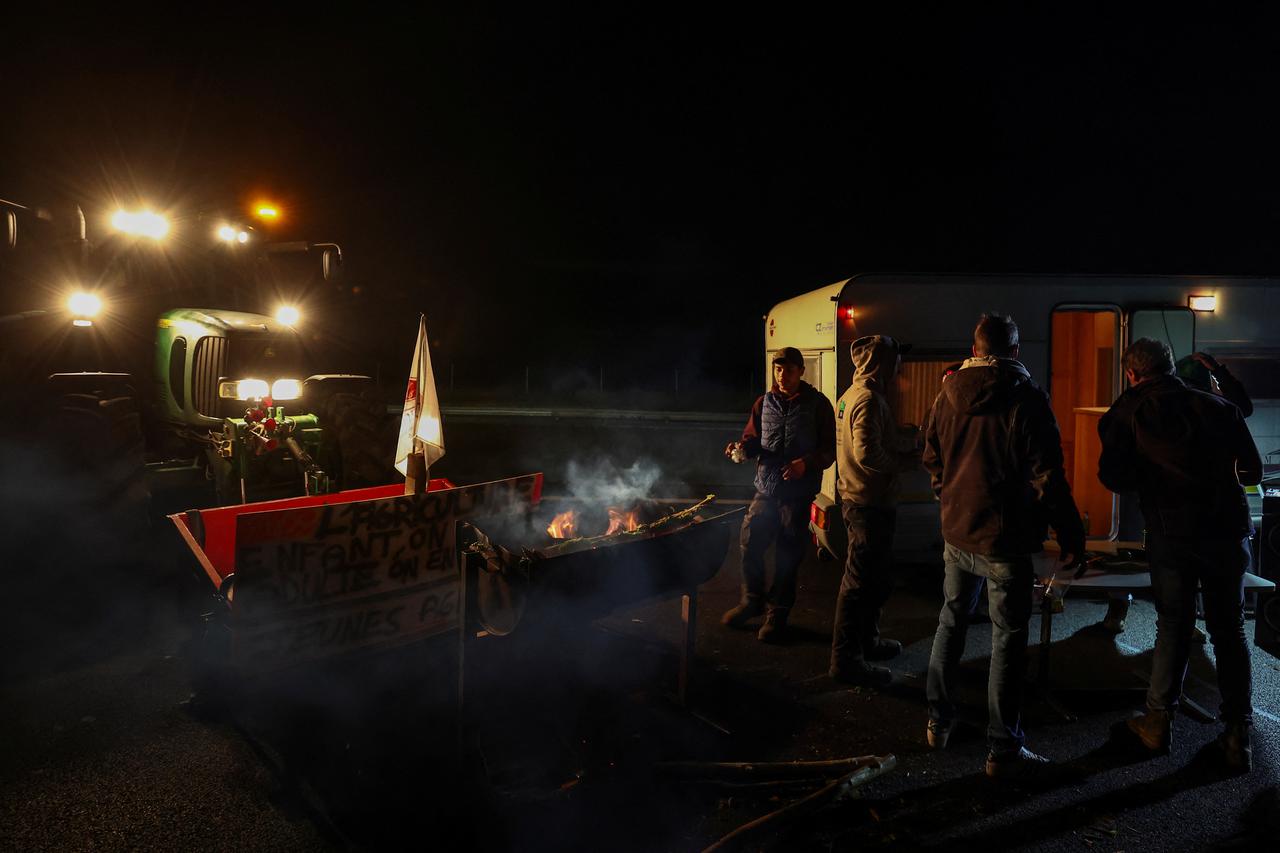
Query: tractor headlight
{"x": 145, "y": 223}
{"x": 244, "y": 389}
{"x": 288, "y": 315}
{"x": 286, "y": 389}
{"x": 83, "y": 305}
{"x": 256, "y": 389}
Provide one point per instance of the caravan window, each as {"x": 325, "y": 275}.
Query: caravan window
{"x": 917, "y": 386}
{"x": 813, "y": 369}
{"x": 1175, "y": 326}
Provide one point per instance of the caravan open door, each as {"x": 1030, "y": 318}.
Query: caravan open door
{"x": 1084, "y": 379}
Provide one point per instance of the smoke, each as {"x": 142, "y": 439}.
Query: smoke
{"x": 603, "y": 483}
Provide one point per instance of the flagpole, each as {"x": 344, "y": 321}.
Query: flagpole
{"x": 415, "y": 481}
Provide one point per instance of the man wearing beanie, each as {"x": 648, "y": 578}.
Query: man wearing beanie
{"x": 791, "y": 435}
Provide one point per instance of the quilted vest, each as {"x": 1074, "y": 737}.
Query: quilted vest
{"x": 788, "y": 430}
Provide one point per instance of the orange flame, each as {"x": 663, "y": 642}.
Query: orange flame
{"x": 622, "y": 522}
{"x": 564, "y": 525}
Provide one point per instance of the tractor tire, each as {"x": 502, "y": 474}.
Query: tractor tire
{"x": 359, "y": 440}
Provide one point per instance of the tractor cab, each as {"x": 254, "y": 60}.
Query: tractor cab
{"x": 218, "y": 401}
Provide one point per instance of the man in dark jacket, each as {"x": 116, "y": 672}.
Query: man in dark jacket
{"x": 994, "y": 453}
{"x": 1204, "y": 373}
{"x": 792, "y": 435}
{"x": 1186, "y": 453}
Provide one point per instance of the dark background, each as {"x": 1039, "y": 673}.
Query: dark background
{"x": 575, "y": 191}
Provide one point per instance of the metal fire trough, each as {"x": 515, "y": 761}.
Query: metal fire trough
{"x": 509, "y": 587}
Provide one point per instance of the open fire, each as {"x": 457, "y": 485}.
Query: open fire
{"x": 568, "y": 524}
{"x": 564, "y": 525}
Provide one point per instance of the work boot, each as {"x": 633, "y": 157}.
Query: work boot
{"x": 861, "y": 674}
{"x": 1021, "y": 766}
{"x": 883, "y": 650}
{"x": 1117, "y": 613}
{"x": 774, "y": 629}
{"x": 1236, "y": 747}
{"x": 938, "y": 732}
{"x": 1153, "y": 729}
{"x": 737, "y": 617}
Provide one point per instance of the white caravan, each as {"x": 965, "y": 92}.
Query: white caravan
{"x": 1073, "y": 330}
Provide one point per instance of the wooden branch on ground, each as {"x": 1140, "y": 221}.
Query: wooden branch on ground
{"x": 776, "y": 820}
{"x": 756, "y": 771}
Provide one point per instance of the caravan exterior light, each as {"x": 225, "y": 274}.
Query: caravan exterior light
{"x": 1202, "y": 303}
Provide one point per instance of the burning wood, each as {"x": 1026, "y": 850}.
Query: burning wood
{"x": 622, "y": 522}
{"x": 627, "y": 524}
{"x": 567, "y": 524}
{"x": 564, "y": 525}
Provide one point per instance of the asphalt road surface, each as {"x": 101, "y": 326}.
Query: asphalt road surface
{"x": 103, "y": 749}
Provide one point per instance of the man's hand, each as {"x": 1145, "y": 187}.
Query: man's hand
{"x": 728, "y": 449}
{"x": 1210, "y": 363}
{"x": 794, "y": 470}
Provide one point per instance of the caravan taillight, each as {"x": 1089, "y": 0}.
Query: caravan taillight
{"x": 818, "y": 516}
{"x": 849, "y": 313}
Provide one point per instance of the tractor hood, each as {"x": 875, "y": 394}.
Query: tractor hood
{"x": 201, "y": 321}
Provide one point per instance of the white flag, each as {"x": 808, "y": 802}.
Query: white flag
{"x": 421, "y": 418}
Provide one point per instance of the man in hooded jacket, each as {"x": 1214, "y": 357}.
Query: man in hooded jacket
{"x": 1202, "y": 372}
{"x": 994, "y": 454}
{"x": 791, "y": 434}
{"x": 871, "y": 450}
{"x": 1186, "y": 453}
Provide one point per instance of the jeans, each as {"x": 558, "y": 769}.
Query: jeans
{"x": 1218, "y": 566}
{"x": 867, "y": 582}
{"x": 1009, "y": 581}
{"x": 787, "y": 521}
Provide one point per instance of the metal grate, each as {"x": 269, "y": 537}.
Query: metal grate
{"x": 207, "y": 366}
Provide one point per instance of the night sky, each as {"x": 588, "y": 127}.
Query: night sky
{"x": 637, "y": 190}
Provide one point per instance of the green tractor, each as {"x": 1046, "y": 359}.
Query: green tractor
{"x": 125, "y": 405}
{"x": 230, "y": 385}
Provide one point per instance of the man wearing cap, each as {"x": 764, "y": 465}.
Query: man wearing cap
{"x": 871, "y": 450}
{"x": 791, "y": 435}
